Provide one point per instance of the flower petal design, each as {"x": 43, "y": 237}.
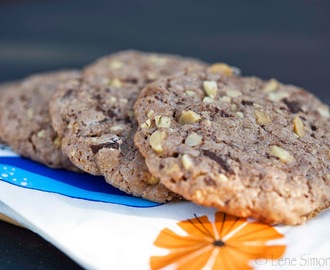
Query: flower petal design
{"x": 228, "y": 243}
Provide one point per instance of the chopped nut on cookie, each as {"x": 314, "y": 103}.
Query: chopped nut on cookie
{"x": 298, "y": 126}
{"x": 221, "y": 68}
{"x": 156, "y": 140}
{"x": 187, "y": 161}
{"x": 189, "y": 117}
{"x": 271, "y": 86}
{"x": 162, "y": 121}
{"x": 282, "y": 154}
{"x": 262, "y": 118}
{"x": 210, "y": 88}
{"x": 193, "y": 139}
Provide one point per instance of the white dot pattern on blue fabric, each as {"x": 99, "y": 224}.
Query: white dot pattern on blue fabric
{"x": 55, "y": 182}
{"x": 8, "y": 173}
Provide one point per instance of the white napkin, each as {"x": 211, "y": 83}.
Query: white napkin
{"x": 110, "y": 230}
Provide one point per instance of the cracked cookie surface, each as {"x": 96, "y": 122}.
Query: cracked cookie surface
{"x": 95, "y": 117}
{"x": 248, "y": 147}
{"x": 25, "y": 122}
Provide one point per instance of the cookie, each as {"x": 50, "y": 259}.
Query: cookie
{"x": 25, "y": 122}
{"x": 9, "y": 86}
{"x": 95, "y": 118}
{"x": 248, "y": 147}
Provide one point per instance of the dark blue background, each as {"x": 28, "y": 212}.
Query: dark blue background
{"x": 285, "y": 39}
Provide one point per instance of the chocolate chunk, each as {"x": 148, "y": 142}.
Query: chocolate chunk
{"x": 294, "y": 106}
{"x": 111, "y": 113}
{"x": 98, "y": 147}
{"x": 223, "y": 163}
{"x": 210, "y": 182}
{"x": 221, "y": 112}
{"x": 247, "y": 102}
{"x": 67, "y": 94}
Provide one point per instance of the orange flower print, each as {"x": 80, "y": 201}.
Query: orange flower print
{"x": 228, "y": 243}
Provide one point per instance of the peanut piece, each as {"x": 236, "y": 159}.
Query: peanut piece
{"x": 116, "y": 83}
{"x": 193, "y": 139}
{"x": 162, "y": 121}
{"x": 150, "y": 113}
{"x": 113, "y": 99}
{"x": 208, "y": 100}
{"x": 278, "y": 96}
{"x": 298, "y": 126}
{"x": 130, "y": 114}
{"x": 210, "y": 88}
{"x": 198, "y": 195}
{"x": 57, "y": 142}
{"x": 222, "y": 178}
{"x": 233, "y": 93}
{"x": 190, "y": 93}
{"x": 156, "y": 140}
{"x": 151, "y": 76}
{"x": 123, "y": 100}
{"x": 240, "y": 114}
{"x": 146, "y": 124}
{"x": 30, "y": 114}
{"x": 187, "y": 161}
{"x": 116, "y": 64}
{"x": 270, "y": 86}
{"x": 160, "y": 61}
{"x": 221, "y": 68}
{"x": 152, "y": 180}
{"x": 117, "y": 129}
{"x": 41, "y": 133}
{"x": 262, "y": 118}
{"x": 225, "y": 99}
{"x": 324, "y": 111}
{"x": 282, "y": 154}
{"x": 189, "y": 117}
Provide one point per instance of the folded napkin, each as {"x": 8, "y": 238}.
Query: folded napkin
{"x": 101, "y": 227}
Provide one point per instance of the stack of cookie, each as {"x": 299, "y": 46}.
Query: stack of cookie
{"x": 164, "y": 127}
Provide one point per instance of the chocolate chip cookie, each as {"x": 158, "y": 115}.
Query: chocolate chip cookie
{"x": 248, "y": 147}
{"x": 25, "y": 122}
{"x": 95, "y": 118}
